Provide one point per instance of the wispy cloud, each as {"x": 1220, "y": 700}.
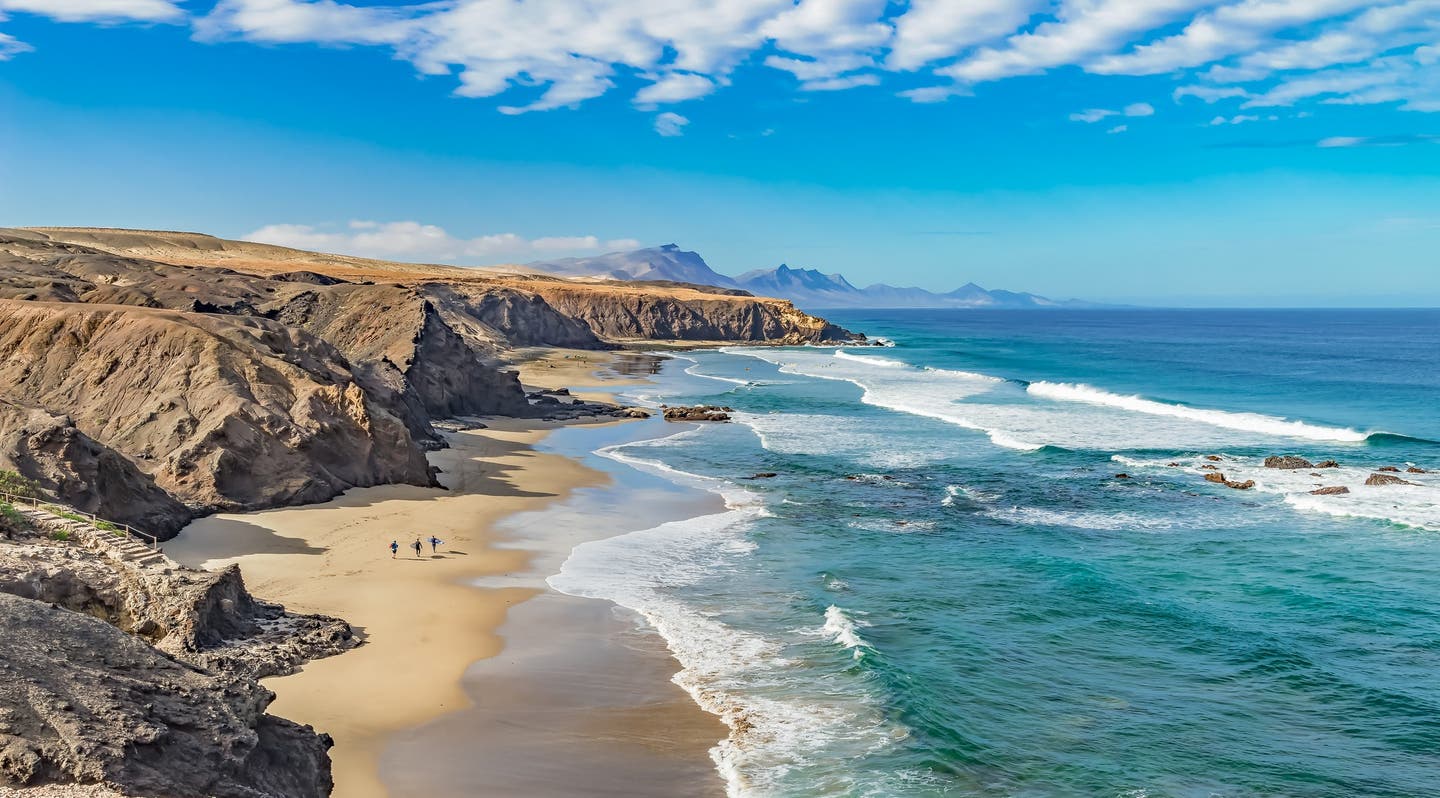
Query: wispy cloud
{"x": 1091, "y": 115}
{"x": 670, "y": 124}
{"x": 414, "y": 241}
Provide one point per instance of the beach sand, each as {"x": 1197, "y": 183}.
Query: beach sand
{"x": 425, "y": 625}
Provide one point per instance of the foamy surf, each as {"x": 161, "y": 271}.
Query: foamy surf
{"x": 844, "y": 629}
{"x": 776, "y": 716}
{"x": 1244, "y": 422}
{"x": 1415, "y": 505}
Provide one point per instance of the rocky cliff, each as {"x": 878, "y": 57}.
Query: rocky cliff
{"x": 135, "y": 676}
{"x": 83, "y": 702}
{"x": 153, "y": 376}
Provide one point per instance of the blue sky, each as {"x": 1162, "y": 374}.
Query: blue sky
{"x": 1250, "y": 152}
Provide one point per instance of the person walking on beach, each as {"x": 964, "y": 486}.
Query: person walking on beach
{"x": 417, "y": 547}
{"x": 394, "y": 548}
{"x": 434, "y": 541}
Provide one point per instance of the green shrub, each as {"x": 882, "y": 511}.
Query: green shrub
{"x": 60, "y": 535}
{"x": 11, "y": 521}
{"x": 12, "y": 482}
{"x": 108, "y": 527}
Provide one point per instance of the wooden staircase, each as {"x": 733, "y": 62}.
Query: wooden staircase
{"x": 117, "y": 542}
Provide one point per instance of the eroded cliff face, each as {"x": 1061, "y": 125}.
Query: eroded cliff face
{"x": 227, "y": 412}
{"x": 86, "y": 703}
{"x": 620, "y": 312}
{"x": 176, "y": 374}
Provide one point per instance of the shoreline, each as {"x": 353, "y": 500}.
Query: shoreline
{"x": 432, "y": 624}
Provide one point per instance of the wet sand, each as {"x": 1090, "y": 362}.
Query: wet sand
{"x": 579, "y": 702}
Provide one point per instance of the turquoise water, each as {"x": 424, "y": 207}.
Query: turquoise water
{"x": 946, "y": 590}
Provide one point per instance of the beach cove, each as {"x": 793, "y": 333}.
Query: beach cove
{"x": 457, "y": 636}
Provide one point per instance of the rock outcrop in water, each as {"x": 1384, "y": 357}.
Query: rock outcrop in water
{"x": 1333, "y": 490}
{"x": 1288, "y": 462}
{"x": 149, "y": 377}
{"x": 698, "y": 413}
{"x": 1386, "y": 479}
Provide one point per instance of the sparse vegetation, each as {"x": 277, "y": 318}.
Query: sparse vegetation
{"x": 13, "y": 483}
{"x": 61, "y": 535}
{"x": 11, "y": 521}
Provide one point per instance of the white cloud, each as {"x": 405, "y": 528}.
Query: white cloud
{"x": 97, "y": 10}
{"x": 1090, "y": 115}
{"x": 11, "y": 47}
{"x": 1238, "y": 119}
{"x": 841, "y": 83}
{"x": 1118, "y": 129}
{"x": 1082, "y": 30}
{"x": 933, "y": 30}
{"x": 538, "y": 55}
{"x": 672, "y": 88}
{"x": 1227, "y": 30}
{"x": 670, "y": 124}
{"x": 1209, "y": 94}
{"x": 413, "y": 241}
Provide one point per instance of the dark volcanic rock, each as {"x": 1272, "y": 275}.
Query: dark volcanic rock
{"x": 1214, "y": 458}
{"x": 1333, "y": 490}
{"x": 1219, "y": 479}
{"x": 1288, "y": 462}
{"x": 82, "y": 702}
{"x": 1327, "y": 464}
{"x": 1389, "y": 469}
{"x": 1122, "y": 475}
{"x": 1416, "y": 470}
{"x": 1386, "y": 479}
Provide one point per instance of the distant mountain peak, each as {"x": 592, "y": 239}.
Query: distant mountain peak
{"x": 807, "y": 288}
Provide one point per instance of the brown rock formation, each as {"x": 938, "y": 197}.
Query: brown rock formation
{"x": 85, "y": 703}
{"x": 1415, "y": 470}
{"x": 1386, "y": 479}
{"x": 697, "y": 413}
{"x": 1389, "y": 469}
{"x": 1288, "y": 462}
{"x": 1334, "y": 490}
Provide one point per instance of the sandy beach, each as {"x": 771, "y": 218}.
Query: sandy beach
{"x": 423, "y": 620}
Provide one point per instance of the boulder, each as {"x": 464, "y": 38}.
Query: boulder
{"x": 1333, "y": 490}
{"x": 1246, "y": 485}
{"x": 1416, "y": 470}
{"x": 1288, "y": 462}
{"x": 1386, "y": 479}
{"x": 764, "y": 475}
{"x": 631, "y": 412}
{"x": 1214, "y": 458}
{"x": 1215, "y": 476}
{"x": 1389, "y": 469}
{"x": 1122, "y": 475}
{"x": 1327, "y": 464}
{"x": 1208, "y": 467}
{"x": 697, "y": 413}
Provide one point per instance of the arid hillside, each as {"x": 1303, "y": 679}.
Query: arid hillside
{"x": 152, "y": 376}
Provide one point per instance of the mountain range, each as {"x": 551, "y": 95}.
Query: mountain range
{"x": 807, "y": 288}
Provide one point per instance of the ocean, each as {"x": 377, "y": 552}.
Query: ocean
{"x": 947, "y": 589}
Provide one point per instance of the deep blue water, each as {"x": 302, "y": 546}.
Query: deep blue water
{"x": 947, "y": 590}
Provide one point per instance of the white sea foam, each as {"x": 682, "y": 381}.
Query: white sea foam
{"x": 1245, "y": 422}
{"x": 1099, "y": 520}
{"x": 1047, "y": 414}
{"x": 816, "y": 435}
{"x": 1416, "y": 505}
{"x": 783, "y": 722}
{"x": 844, "y": 629}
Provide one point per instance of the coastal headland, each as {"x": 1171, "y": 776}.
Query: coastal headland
{"x": 291, "y": 413}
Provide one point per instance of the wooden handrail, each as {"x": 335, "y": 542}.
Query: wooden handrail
{"x": 36, "y": 502}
